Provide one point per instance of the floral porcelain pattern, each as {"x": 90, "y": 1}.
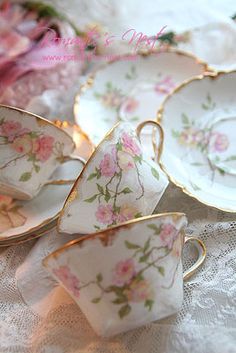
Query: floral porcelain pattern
{"x": 114, "y": 186}
{"x": 131, "y": 90}
{"x": 205, "y": 140}
{"x": 128, "y": 282}
{"x": 10, "y": 214}
{"x": 120, "y": 159}
{"x": 37, "y": 147}
{"x": 113, "y": 97}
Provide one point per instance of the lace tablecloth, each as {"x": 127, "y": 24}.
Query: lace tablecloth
{"x": 37, "y": 316}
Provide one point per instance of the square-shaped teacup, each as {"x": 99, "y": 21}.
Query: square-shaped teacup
{"x": 119, "y": 182}
{"x": 128, "y": 275}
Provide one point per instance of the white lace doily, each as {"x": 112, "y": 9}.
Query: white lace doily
{"x": 37, "y": 316}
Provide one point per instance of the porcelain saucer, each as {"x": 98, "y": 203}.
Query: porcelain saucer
{"x": 131, "y": 89}
{"x": 29, "y": 236}
{"x": 22, "y": 218}
{"x": 199, "y": 150}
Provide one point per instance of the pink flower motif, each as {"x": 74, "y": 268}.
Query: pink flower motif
{"x": 192, "y": 137}
{"x": 11, "y": 129}
{"x": 69, "y": 280}
{"x": 139, "y": 291}
{"x": 219, "y": 142}
{"x": 168, "y": 234}
{"x": 105, "y": 214}
{"x": 130, "y": 144}
{"x": 23, "y": 144}
{"x": 123, "y": 272}
{"x": 165, "y": 86}
{"x": 108, "y": 165}
{"x": 130, "y": 105}
{"x": 112, "y": 99}
{"x": 43, "y": 147}
{"x": 127, "y": 212}
{"x": 125, "y": 161}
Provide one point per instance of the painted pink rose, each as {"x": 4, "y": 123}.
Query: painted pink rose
{"x": 123, "y": 272}
{"x": 23, "y": 144}
{"x": 108, "y": 165}
{"x": 125, "y": 161}
{"x": 43, "y": 147}
{"x": 139, "y": 291}
{"x": 165, "y": 86}
{"x": 104, "y": 214}
{"x": 130, "y": 144}
{"x": 12, "y": 129}
{"x": 112, "y": 99}
{"x": 69, "y": 280}
{"x": 192, "y": 137}
{"x": 168, "y": 234}
{"x": 130, "y": 105}
{"x": 219, "y": 142}
{"x": 127, "y": 212}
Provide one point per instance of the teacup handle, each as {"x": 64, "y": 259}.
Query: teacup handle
{"x": 156, "y": 148}
{"x": 201, "y": 256}
{"x": 68, "y": 181}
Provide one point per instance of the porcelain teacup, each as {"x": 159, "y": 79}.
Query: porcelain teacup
{"x": 31, "y": 148}
{"x": 119, "y": 182}
{"x": 129, "y": 275}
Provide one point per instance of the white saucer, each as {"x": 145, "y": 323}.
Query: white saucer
{"x": 131, "y": 89}
{"x": 199, "y": 151}
{"x": 21, "y": 218}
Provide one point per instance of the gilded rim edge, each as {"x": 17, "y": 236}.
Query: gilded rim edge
{"x": 91, "y": 78}
{"x": 107, "y": 230}
{"x": 73, "y": 192}
{"x": 38, "y": 118}
{"x": 159, "y": 119}
{"x": 29, "y": 237}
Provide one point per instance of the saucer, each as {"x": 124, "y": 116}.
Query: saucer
{"x": 199, "y": 151}
{"x": 29, "y": 236}
{"x": 131, "y": 89}
{"x": 21, "y": 218}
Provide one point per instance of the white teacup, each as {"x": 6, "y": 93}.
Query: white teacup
{"x": 119, "y": 182}
{"x": 31, "y": 148}
{"x": 129, "y": 275}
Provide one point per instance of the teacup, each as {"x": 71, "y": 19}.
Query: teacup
{"x": 31, "y": 148}
{"x": 129, "y": 275}
{"x": 119, "y": 182}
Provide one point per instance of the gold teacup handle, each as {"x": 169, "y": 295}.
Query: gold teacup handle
{"x": 156, "y": 147}
{"x": 68, "y": 181}
{"x": 201, "y": 256}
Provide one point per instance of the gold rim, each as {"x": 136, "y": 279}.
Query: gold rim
{"x": 212, "y": 76}
{"x": 28, "y": 237}
{"x": 103, "y": 234}
{"x": 73, "y": 192}
{"x": 90, "y": 80}
{"x": 34, "y": 229}
{"x": 38, "y": 118}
